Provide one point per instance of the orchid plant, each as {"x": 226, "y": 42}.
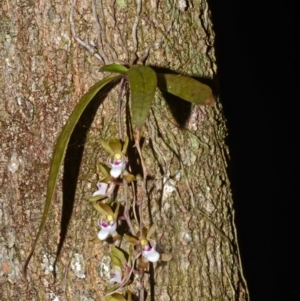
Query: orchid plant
{"x": 116, "y": 197}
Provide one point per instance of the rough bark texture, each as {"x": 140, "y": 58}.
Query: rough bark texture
{"x": 43, "y": 73}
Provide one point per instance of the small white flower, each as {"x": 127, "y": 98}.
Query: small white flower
{"x": 150, "y": 254}
{"x": 107, "y": 228}
{"x": 102, "y": 188}
{"x": 117, "y": 167}
{"x": 117, "y": 275}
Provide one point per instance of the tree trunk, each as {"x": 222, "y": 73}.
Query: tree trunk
{"x": 44, "y": 72}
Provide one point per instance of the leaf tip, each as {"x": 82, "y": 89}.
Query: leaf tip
{"x": 210, "y": 101}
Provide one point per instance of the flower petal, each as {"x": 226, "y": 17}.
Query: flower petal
{"x": 102, "y": 187}
{"x": 152, "y": 255}
{"x": 117, "y": 168}
{"x": 106, "y": 230}
{"x": 117, "y": 276}
{"x": 103, "y": 234}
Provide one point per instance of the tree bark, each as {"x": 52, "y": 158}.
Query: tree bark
{"x": 44, "y": 72}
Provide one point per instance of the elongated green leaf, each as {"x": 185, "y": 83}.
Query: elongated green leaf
{"x": 116, "y": 261}
{"x": 116, "y": 146}
{"x": 186, "y": 88}
{"x": 116, "y": 68}
{"x": 128, "y": 176}
{"x": 142, "y": 81}
{"x": 131, "y": 239}
{"x": 118, "y": 254}
{"x": 96, "y": 198}
{"x": 97, "y": 206}
{"x": 60, "y": 151}
{"x": 106, "y": 146}
{"x": 104, "y": 170}
{"x": 104, "y": 209}
{"x": 116, "y": 213}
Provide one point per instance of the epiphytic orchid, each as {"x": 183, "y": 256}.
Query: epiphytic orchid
{"x": 150, "y": 253}
{"x": 148, "y": 244}
{"x": 117, "y": 160}
{"x": 106, "y": 185}
{"x": 145, "y": 244}
{"x": 108, "y": 221}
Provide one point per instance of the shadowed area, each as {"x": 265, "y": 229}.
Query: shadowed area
{"x": 257, "y": 58}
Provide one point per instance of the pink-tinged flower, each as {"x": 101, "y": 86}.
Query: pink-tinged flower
{"x": 107, "y": 228}
{"x": 102, "y": 188}
{"x": 145, "y": 243}
{"x": 148, "y": 245}
{"x": 118, "y": 165}
{"x": 106, "y": 185}
{"x": 117, "y": 159}
{"x": 108, "y": 221}
{"x": 150, "y": 254}
{"x": 117, "y": 275}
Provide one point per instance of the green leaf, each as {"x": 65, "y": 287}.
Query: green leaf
{"x": 104, "y": 209}
{"x": 116, "y": 261}
{"x": 143, "y": 82}
{"x": 115, "y": 297}
{"x": 116, "y": 146}
{"x": 130, "y": 253}
{"x": 60, "y": 151}
{"x": 97, "y": 206}
{"x": 104, "y": 170}
{"x": 116, "y": 68}
{"x": 96, "y": 198}
{"x": 144, "y": 233}
{"x": 118, "y": 297}
{"x": 128, "y": 177}
{"x": 106, "y": 146}
{"x": 118, "y": 254}
{"x": 186, "y": 88}
{"x": 131, "y": 239}
{"x": 116, "y": 213}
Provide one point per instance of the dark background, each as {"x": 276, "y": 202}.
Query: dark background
{"x": 257, "y": 68}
